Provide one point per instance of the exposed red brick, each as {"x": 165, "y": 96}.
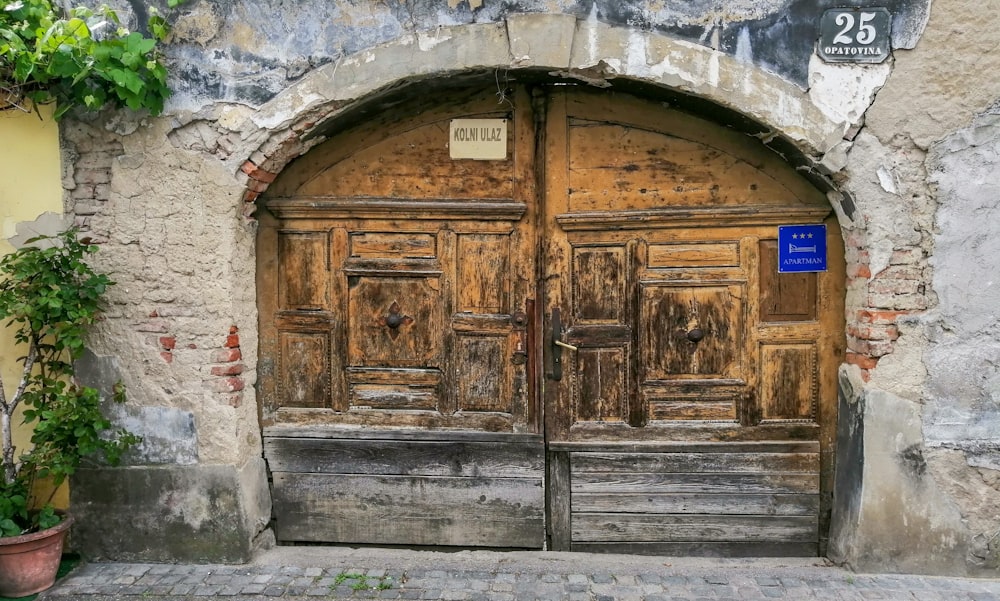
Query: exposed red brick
{"x": 873, "y": 331}
{"x": 154, "y": 313}
{"x": 233, "y": 329}
{"x": 192, "y": 346}
{"x": 232, "y": 341}
{"x": 250, "y": 196}
{"x": 256, "y": 186}
{"x": 862, "y": 361}
{"x": 234, "y": 384}
{"x": 227, "y": 355}
{"x": 167, "y": 356}
{"x": 880, "y": 317}
{"x": 168, "y": 342}
{"x": 858, "y": 270}
{"x": 256, "y": 173}
{"x": 233, "y": 369}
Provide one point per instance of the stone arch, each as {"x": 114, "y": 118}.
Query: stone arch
{"x": 559, "y": 47}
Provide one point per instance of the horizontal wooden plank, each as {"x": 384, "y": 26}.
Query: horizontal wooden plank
{"x": 602, "y": 527}
{"x": 327, "y": 207}
{"x": 481, "y": 323}
{"x": 342, "y": 433}
{"x": 381, "y": 421}
{"x": 694, "y": 255}
{"x": 391, "y": 375}
{"x": 767, "y": 446}
{"x": 392, "y": 397}
{"x": 694, "y": 462}
{"x": 693, "y": 503}
{"x": 691, "y": 217}
{"x": 393, "y": 245}
{"x": 400, "y": 510}
{"x": 711, "y": 549}
{"x": 406, "y": 457}
{"x": 692, "y": 431}
{"x": 700, "y": 409}
{"x": 624, "y": 482}
{"x": 599, "y": 335}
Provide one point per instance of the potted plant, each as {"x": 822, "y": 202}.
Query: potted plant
{"x": 49, "y": 295}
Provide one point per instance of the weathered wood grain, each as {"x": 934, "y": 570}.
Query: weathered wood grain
{"x": 696, "y": 503}
{"x": 598, "y": 527}
{"x": 697, "y": 462}
{"x": 407, "y": 510}
{"x": 469, "y": 458}
{"x": 704, "y": 549}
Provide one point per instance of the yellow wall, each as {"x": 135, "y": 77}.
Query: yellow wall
{"x": 30, "y": 184}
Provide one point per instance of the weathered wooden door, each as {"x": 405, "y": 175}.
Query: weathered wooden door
{"x": 453, "y": 354}
{"x": 690, "y": 388}
{"x": 395, "y": 296}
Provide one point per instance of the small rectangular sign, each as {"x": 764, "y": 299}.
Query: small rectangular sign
{"x": 801, "y": 248}
{"x": 479, "y": 139}
{"x": 854, "y": 35}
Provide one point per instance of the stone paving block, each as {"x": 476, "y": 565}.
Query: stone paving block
{"x": 273, "y": 590}
{"x": 161, "y": 569}
{"x": 318, "y": 591}
{"x": 182, "y": 588}
{"x": 206, "y": 590}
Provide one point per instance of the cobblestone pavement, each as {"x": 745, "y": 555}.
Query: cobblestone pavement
{"x": 301, "y": 573}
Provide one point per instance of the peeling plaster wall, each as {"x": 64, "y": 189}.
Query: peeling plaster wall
{"x": 910, "y": 145}
{"x": 921, "y": 173}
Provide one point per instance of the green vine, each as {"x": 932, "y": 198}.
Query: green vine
{"x": 50, "y": 296}
{"x": 83, "y": 58}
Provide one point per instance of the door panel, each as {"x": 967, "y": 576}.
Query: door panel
{"x": 398, "y": 305}
{"x": 697, "y": 365}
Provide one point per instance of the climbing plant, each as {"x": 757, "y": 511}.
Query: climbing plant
{"x": 79, "y": 57}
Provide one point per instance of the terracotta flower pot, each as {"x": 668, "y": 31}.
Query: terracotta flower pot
{"x": 28, "y": 563}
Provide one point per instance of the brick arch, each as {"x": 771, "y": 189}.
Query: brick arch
{"x": 554, "y": 46}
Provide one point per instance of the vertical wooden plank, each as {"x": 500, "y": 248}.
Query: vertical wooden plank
{"x": 556, "y": 261}
{"x": 638, "y": 405}
{"x": 748, "y": 405}
{"x": 305, "y": 254}
{"x": 601, "y": 391}
{"x": 447, "y": 249}
{"x": 599, "y": 285}
{"x": 558, "y": 501}
{"x": 833, "y": 344}
{"x": 784, "y": 296}
{"x": 304, "y": 370}
{"x": 339, "y": 398}
{"x": 523, "y": 276}
{"x": 267, "y": 306}
{"x": 481, "y": 362}
{"x": 788, "y": 381}
{"x": 483, "y": 278}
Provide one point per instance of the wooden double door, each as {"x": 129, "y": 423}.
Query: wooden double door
{"x": 586, "y": 345}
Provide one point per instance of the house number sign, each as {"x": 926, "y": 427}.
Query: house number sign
{"x": 854, "y": 35}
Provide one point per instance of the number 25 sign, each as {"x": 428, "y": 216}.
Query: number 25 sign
{"x": 854, "y": 35}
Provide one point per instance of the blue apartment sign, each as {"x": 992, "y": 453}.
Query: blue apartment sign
{"x": 801, "y": 248}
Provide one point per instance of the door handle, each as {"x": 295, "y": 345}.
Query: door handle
{"x": 558, "y": 345}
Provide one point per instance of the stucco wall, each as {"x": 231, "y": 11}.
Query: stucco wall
{"x": 30, "y": 185}
{"x": 909, "y": 145}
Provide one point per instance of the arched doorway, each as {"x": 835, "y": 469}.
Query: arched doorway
{"x": 584, "y": 345}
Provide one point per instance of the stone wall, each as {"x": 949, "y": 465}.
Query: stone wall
{"x": 909, "y": 145}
